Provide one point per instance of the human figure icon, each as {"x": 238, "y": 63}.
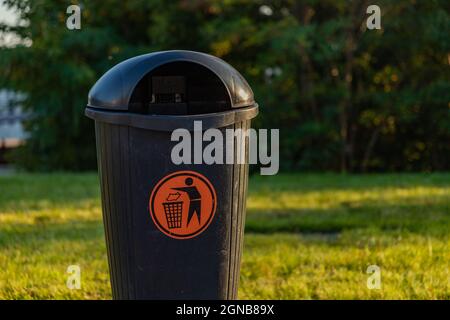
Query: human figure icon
{"x": 195, "y": 201}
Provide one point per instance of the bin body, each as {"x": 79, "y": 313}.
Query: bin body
{"x": 144, "y": 262}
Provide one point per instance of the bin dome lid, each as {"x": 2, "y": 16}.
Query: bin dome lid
{"x": 114, "y": 89}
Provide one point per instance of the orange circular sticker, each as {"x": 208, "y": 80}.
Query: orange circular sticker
{"x": 182, "y": 204}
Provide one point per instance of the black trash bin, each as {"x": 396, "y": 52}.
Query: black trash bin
{"x": 173, "y": 231}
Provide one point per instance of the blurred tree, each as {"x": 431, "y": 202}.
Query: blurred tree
{"x": 345, "y": 98}
{"x": 57, "y": 70}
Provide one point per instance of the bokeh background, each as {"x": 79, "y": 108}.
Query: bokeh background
{"x": 347, "y": 98}
{"x": 364, "y": 146}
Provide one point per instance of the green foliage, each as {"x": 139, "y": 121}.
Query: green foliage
{"x": 330, "y": 228}
{"x": 345, "y": 98}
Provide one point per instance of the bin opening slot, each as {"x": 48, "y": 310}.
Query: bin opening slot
{"x": 179, "y": 88}
{"x": 168, "y": 89}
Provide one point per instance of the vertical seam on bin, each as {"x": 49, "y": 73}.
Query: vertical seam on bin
{"x": 238, "y": 217}
{"x": 112, "y": 198}
{"x": 105, "y": 200}
{"x": 246, "y": 177}
{"x": 115, "y": 146}
{"x": 117, "y": 221}
{"x": 237, "y": 227}
{"x": 131, "y": 219}
{"x": 129, "y": 216}
{"x": 107, "y": 213}
{"x": 125, "y": 211}
{"x": 244, "y": 203}
{"x": 229, "y": 275}
{"x": 123, "y": 215}
{"x": 130, "y": 182}
{"x": 100, "y": 159}
{"x": 113, "y": 231}
{"x": 235, "y": 208}
{"x": 244, "y": 180}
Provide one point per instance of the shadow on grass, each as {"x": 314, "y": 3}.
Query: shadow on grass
{"x": 341, "y": 182}
{"x": 423, "y": 219}
{"x": 38, "y": 234}
{"x": 37, "y": 191}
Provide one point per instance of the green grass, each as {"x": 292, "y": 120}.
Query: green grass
{"x": 307, "y": 237}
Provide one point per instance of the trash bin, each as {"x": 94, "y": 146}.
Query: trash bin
{"x": 173, "y": 231}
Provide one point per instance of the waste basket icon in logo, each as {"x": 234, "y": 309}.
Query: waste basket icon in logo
{"x": 183, "y": 204}
{"x": 173, "y": 211}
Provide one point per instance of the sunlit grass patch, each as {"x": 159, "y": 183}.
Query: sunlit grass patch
{"x": 307, "y": 237}
{"x": 286, "y": 266}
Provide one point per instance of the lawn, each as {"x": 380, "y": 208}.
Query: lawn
{"x": 307, "y": 237}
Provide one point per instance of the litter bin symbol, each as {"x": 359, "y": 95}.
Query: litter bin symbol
{"x": 174, "y": 211}
{"x": 182, "y": 204}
